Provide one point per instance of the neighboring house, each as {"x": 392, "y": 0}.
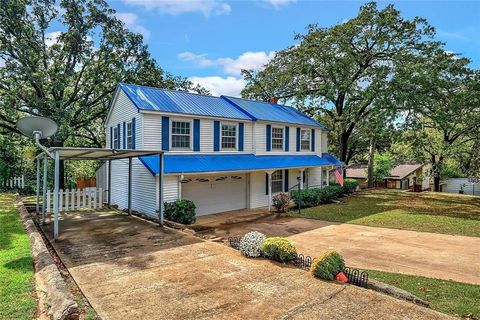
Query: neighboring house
{"x": 403, "y": 176}
{"x": 222, "y": 153}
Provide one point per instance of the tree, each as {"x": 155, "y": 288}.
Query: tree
{"x": 384, "y": 163}
{"x": 344, "y": 72}
{"x": 70, "y": 75}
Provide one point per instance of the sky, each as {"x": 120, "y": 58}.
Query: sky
{"x": 210, "y": 41}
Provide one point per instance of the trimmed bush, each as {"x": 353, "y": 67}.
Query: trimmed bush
{"x": 350, "y": 186}
{"x": 181, "y": 211}
{"x": 307, "y": 197}
{"x": 251, "y": 244}
{"x": 328, "y": 194}
{"x": 336, "y": 189}
{"x": 328, "y": 265}
{"x": 279, "y": 249}
{"x": 280, "y": 201}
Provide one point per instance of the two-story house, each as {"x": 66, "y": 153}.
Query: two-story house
{"x": 222, "y": 153}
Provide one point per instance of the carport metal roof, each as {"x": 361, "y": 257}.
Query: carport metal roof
{"x": 70, "y": 153}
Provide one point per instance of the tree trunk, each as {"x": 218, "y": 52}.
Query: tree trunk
{"x": 437, "y": 168}
{"x": 371, "y": 153}
{"x": 343, "y": 143}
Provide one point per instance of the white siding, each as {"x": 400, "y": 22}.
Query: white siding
{"x": 260, "y": 135}
{"x": 122, "y": 110}
{"x": 206, "y": 135}
{"x": 324, "y": 142}
{"x": 152, "y": 133}
{"x": 248, "y": 137}
{"x": 453, "y": 186}
{"x": 258, "y": 198}
{"x": 170, "y": 191}
{"x": 315, "y": 176}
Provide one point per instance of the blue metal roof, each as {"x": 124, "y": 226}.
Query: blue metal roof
{"x": 192, "y": 163}
{"x": 273, "y": 112}
{"x": 149, "y": 98}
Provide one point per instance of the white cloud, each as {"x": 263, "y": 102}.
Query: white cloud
{"x": 51, "y": 38}
{"x": 2, "y": 62}
{"x": 131, "y": 22}
{"x": 248, "y": 60}
{"x": 277, "y": 4}
{"x": 176, "y": 7}
{"x": 229, "y": 86}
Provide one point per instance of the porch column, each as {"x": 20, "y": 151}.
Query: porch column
{"x": 160, "y": 188}
{"x": 55, "y": 195}
{"x": 328, "y": 176}
{"x": 130, "y": 185}
{"x": 269, "y": 173}
{"x": 321, "y": 177}
{"x": 45, "y": 177}
{"x": 109, "y": 182}
{"x": 37, "y": 207}
{"x": 301, "y": 178}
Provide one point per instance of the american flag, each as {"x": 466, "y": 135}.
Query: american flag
{"x": 339, "y": 177}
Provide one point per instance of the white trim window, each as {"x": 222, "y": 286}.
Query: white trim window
{"x": 181, "y": 134}
{"x": 277, "y": 181}
{"x": 305, "y": 138}
{"x": 129, "y": 136}
{"x": 277, "y": 138}
{"x": 116, "y": 143}
{"x": 229, "y": 136}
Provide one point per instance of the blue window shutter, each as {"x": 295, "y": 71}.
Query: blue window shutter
{"x": 313, "y": 140}
{"x": 266, "y": 183}
{"x": 196, "y": 134}
{"x": 111, "y": 138}
{"x": 298, "y": 139}
{"x": 285, "y": 180}
{"x": 287, "y": 139}
{"x": 165, "y": 133}
{"x": 124, "y": 135}
{"x": 216, "y": 135}
{"x": 269, "y": 137}
{"x": 240, "y": 136}
{"x": 133, "y": 133}
{"x": 118, "y": 136}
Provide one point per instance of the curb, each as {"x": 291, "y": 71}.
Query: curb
{"x": 395, "y": 292}
{"x": 54, "y": 297}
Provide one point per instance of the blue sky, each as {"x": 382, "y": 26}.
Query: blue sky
{"x": 210, "y": 41}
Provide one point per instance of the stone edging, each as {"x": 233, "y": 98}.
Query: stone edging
{"x": 395, "y": 292}
{"x": 54, "y": 296}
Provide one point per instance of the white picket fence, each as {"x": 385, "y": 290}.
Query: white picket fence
{"x": 15, "y": 182}
{"x": 76, "y": 199}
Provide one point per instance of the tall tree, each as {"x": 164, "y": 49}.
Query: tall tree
{"x": 64, "y": 63}
{"x": 341, "y": 71}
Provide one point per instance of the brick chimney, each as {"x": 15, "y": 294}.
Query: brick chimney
{"x": 273, "y": 100}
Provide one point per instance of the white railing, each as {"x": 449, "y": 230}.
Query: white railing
{"x": 76, "y": 199}
{"x": 15, "y": 182}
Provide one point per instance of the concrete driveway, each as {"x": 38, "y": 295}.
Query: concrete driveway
{"x": 400, "y": 251}
{"x": 132, "y": 269}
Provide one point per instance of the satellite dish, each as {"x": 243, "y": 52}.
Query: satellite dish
{"x": 33, "y": 126}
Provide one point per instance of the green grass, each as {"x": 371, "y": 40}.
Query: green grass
{"x": 428, "y": 212}
{"x": 451, "y": 297}
{"x": 16, "y": 269}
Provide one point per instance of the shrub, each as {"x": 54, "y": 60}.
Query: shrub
{"x": 281, "y": 201}
{"x": 279, "y": 249}
{"x": 251, "y": 244}
{"x": 181, "y": 211}
{"x": 349, "y": 186}
{"x": 307, "y": 197}
{"x": 327, "y": 265}
{"x": 336, "y": 189}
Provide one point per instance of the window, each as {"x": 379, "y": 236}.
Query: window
{"x": 129, "y": 136}
{"x": 180, "y": 135}
{"x": 116, "y": 143}
{"x": 305, "y": 140}
{"x": 277, "y": 138}
{"x": 229, "y": 136}
{"x": 277, "y": 181}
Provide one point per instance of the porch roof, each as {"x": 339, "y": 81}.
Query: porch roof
{"x": 74, "y": 153}
{"x": 193, "y": 163}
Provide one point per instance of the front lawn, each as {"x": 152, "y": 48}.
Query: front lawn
{"x": 16, "y": 269}
{"x": 445, "y": 296}
{"x": 428, "y": 211}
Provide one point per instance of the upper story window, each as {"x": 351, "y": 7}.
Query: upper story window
{"x": 116, "y": 135}
{"x": 305, "y": 139}
{"x": 129, "y": 136}
{"x": 181, "y": 134}
{"x": 229, "y": 136}
{"x": 277, "y": 181}
{"x": 277, "y": 138}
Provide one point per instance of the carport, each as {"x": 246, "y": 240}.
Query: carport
{"x": 66, "y": 153}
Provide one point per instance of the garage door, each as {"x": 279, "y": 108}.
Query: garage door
{"x": 215, "y": 194}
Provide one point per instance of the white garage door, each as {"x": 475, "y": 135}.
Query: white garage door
{"x": 216, "y": 194}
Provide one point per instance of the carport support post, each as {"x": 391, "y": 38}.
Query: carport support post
{"x": 269, "y": 173}
{"x": 37, "y": 208}
{"x": 109, "y": 183}
{"x": 55, "y": 195}
{"x": 160, "y": 188}
{"x": 328, "y": 176}
{"x": 45, "y": 174}
{"x": 130, "y": 185}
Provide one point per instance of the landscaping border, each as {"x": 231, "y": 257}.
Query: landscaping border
{"x": 54, "y": 298}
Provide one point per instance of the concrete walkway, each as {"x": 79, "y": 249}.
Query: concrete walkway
{"x": 418, "y": 253}
{"x": 132, "y": 269}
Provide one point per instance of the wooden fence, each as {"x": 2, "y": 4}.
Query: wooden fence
{"x": 15, "y": 182}
{"x": 76, "y": 199}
